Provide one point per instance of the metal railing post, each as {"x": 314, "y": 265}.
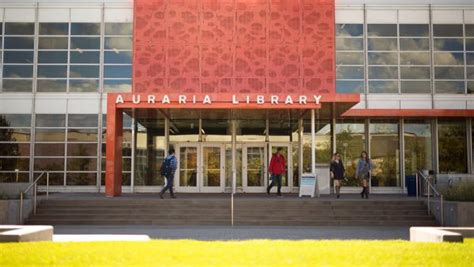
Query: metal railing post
{"x": 34, "y": 198}
{"x": 21, "y": 208}
{"x": 47, "y": 185}
{"x": 429, "y": 193}
{"x": 416, "y": 187}
{"x": 442, "y": 210}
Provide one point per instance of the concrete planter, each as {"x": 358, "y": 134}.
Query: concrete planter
{"x": 10, "y": 210}
{"x": 459, "y": 214}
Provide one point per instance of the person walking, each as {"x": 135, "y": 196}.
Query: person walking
{"x": 364, "y": 168}
{"x": 337, "y": 172}
{"x": 277, "y": 168}
{"x": 167, "y": 170}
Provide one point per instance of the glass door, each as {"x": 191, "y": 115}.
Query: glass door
{"x": 186, "y": 177}
{"x": 212, "y": 168}
{"x": 254, "y": 168}
{"x": 287, "y": 178}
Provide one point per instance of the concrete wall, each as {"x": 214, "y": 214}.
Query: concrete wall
{"x": 10, "y": 209}
{"x": 455, "y": 213}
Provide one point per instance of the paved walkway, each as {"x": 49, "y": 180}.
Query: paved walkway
{"x": 140, "y": 233}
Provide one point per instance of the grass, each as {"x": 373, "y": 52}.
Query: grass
{"x": 238, "y": 253}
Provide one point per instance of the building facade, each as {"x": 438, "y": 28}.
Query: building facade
{"x": 394, "y": 80}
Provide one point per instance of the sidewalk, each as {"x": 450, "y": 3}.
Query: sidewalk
{"x": 139, "y": 232}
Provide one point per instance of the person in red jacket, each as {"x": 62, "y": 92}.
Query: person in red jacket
{"x": 277, "y": 168}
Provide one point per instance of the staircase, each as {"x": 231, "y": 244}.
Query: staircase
{"x": 247, "y": 211}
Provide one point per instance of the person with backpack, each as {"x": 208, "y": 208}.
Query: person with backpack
{"x": 277, "y": 168}
{"x": 364, "y": 167}
{"x": 167, "y": 170}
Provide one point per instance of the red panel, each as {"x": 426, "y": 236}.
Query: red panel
{"x": 113, "y": 160}
{"x": 408, "y": 113}
{"x": 234, "y": 46}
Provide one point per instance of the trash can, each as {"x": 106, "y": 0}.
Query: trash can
{"x": 410, "y": 184}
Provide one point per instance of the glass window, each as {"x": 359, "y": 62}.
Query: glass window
{"x": 52, "y": 71}
{"x": 118, "y": 28}
{"x": 350, "y": 142}
{"x": 89, "y": 57}
{"x": 14, "y": 149}
{"x": 50, "y": 164}
{"x": 17, "y": 85}
{"x": 415, "y": 87}
{"x": 446, "y": 58}
{"x": 414, "y": 44}
{"x": 85, "y": 28}
{"x": 50, "y": 135}
{"x": 18, "y": 57}
{"x": 50, "y": 120}
{"x": 350, "y": 86}
{"x": 323, "y": 143}
{"x": 349, "y": 29}
{"x": 85, "y": 43}
{"x": 470, "y": 44}
{"x": 383, "y": 44}
{"x": 469, "y": 30}
{"x": 384, "y": 152}
{"x": 49, "y": 149}
{"x": 81, "y": 178}
{"x": 383, "y": 58}
{"x": 414, "y": 30}
{"x": 452, "y": 146}
{"x": 382, "y": 29}
{"x": 83, "y": 71}
{"x": 118, "y": 72}
{"x": 469, "y": 58}
{"x": 117, "y": 85}
{"x": 415, "y": 58}
{"x": 53, "y": 29}
{"x": 470, "y": 87}
{"x": 356, "y": 44}
{"x": 11, "y": 164}
{"x": 52, "y": 57}
{"x": 447, "y": 30}
{"x": 388, "y": 87}
{"x": 470, "y": 73}
{"x": 415, "y": 73}
{"x": 350, "y": 72}
{"x": 449, "y": 73}
{"x": 52, "y": 43}
{"x": 82, "y": 135}
{"x": 19, "y": 43}
{"x": 51, "y": 86}
{"x": 448, "y": 44}
{"x": 16, "y": 135}
{"x": 383, "y": 73}
{"x": 15, "y": 120}
{"x": 83, "y": 86}
{"x": 117, "y": 57}
{"x": 82, "y": 150}
{"x": 118, "y": 43}
{"x": 82, "y": 120}
{"x": 418, "y": 146}
{"x": 19, "y": 28}
{"x": 18, "y": 71}
{"x": 449, "y": 87}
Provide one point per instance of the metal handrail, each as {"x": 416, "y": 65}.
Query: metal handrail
{"x": 33, "y": 185}
{"x": 430, "y": 187}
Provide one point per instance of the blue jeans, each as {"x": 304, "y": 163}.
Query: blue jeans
{"x": 169, "y": 185}
{"x": 276, "y": 179}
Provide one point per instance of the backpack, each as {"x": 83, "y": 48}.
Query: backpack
{"x": 166, "y": 168}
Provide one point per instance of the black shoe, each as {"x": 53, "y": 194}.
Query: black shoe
{"x": 173, "y": 196}
{"x": 366, "y": 195}
{"x": 362, "y": 194}
{"x": 268, "y": 190}
{"x": 279, "y": 194}
{"x": 161, "y": 195}
{"x": 337, "y": 196}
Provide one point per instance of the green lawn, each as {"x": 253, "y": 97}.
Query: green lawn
{"x": 238, "y": 253}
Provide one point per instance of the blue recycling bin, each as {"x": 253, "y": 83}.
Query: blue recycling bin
{"x": 410, "y": 184}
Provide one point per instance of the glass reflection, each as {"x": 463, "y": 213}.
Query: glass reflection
{"x": 88, "y": 57}
{"x": 14, "y": 149}
{"x": 53, "y": 29}
{"x": 85, "y": 28}
{"x": 350, "y": 142}
{"x": 19, "y": 43}
{"x": 383, "y": 44}
{"x": 50, "y": 135}
{"x": 83, "y": 71}
{"x": 18, "y": 57}
{"x": 85, "y": 43}
{"x": 349, "y": 29}
{"x": 49, "y": 149}
{"x": 118, "y": 72}
{"x": 117, "y": 85}
{"x": 188, "y": 166}
{"x": 18, "y": 71}
{"x": 117, "y": 57}
{"x": 356, "y": 44}
{"x": 414, "y": 44}
{"x": 349, "y": 58}
{"x": 445, "y": 44}
{"x": 82, "y": 179}
{"x": 415, "y": 58}
{"x": 51, "y": 85}
{"x": 382, "y": 29}
{"x": 449, "y": 73}
{"x": 52, "y": 43}
{"x": 81, "y": 164}
{"x": 118, "y": 43}
{"x": 383, "y": 87}
{"x": 445, "y": 58}
{"x": 11, "y": 164}
{"x": 52, "y": 71}
{"x": 383, "y": 72}
{"x": 349, "y": 72}
{"x": 452, "y": 146}
{"x": 118, "y": 28}
{"x": 19, "y": 28}
{"x": 15, "y": 120}
{"x": 385, "y": 153}
{"x": 383, "y": 58}
{"x": 350, "y": 86}
{"x": 415, "y": 87}
{"x": 418, "y": 146}
{"x": 80, "y": 86}
{"x": 17, "y": 85}
{"x": 415, "y": 73}
{"x": 50, "y": 164}
{"x": 52, "y": 57}
{"x": 414, "y": 30}
{"x": 447, "y": 30}
{"x": 50, "y": 120}
{"x": 449, "y": 87}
